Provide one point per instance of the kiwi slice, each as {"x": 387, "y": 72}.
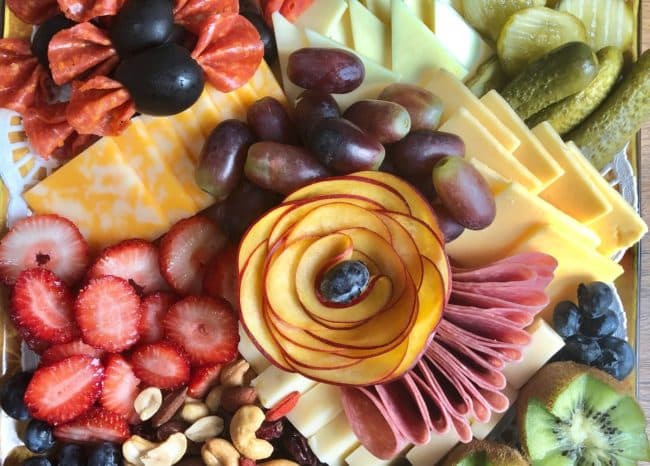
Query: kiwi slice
{"x": 573, "y": 415}
{"x": 484, "y": 453}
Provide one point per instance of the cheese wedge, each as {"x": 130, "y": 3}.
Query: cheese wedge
{"x": 531, "y": 152}
{"x": 425, "y": 10}
{"x": 434, "y": 451}
{"x": 316, "y": 407}
{"x": 483, "y": 429}
{"x": 573, "y": 193}
{"x": 371, "y": 37}
{"x": 622, "y": 227}
{"x": 288, "y": 38}
{"x": 334, "y": 441}
{"x": 481, "y": 145}
{"x": 415, "y": 49}
{"x": 545, "y": 342}
{"x": 322, "y": 15}
{"x": 454, "y": 95}
{"x": 380, "y": 8}
{"x": 273, "y": 384}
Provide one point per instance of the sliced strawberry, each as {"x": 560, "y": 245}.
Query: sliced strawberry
{"x": 65, "y": 350}
{"x": 64, "y": 390}
{"x": 42, "y": 305}
{"x": 120, "y": 387}
{"x": 33, "y": 343}
{"x": 220, "y": 279}
{"x": 205, "y": 328}
{"x": 108, "y": 313}
{"x": 47, "y": 241}
{"x": 186, "y": 250}
{"x": 134, "y": 260}
{"x": 97, "y": 425}
{"x": 203, "y": 378}
{"x": 154, "y": 308}
{"x": 160, "y": 365}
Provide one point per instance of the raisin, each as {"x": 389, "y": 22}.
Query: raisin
{"x": 270, "y": 430}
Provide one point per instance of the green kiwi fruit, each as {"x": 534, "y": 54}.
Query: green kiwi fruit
{"x": 484, "y": 453}
{"x": 573, "y": 415}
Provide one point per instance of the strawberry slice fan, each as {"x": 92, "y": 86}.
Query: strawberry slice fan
{"x": 458, "y": 378}
{"x": 227, "y": 48}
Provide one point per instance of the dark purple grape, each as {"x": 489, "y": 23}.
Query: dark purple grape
{"x": 270, "y": 121}
{"x": 421, "y": 150}
{"x": 464, "y": 192}
{"x": 313, "y": 106}
{"x": 44, "y": 34}
{"x": 386, "y": 121}
{"x": 617, "y": 357}
{"x": 336, "y": 71}
{"x": 343, "y": 147}
{"x": 601, "y": 326}
{"x": 566, "y": 319}
{"x": 223, "y": 156}
{"x": 266, "y": 35}
{"x": 450, "y": 227}
{"x": 583, "y": 350}
{"x": 282, "y": 168}
{"x": 594, "y": 298}
{"x": 424, "y": 107}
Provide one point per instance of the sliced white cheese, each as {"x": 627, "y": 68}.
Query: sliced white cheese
{"x": 483, "y": 429}
{"x": 288, "y": 38}
{"x": 322, "y": 15}
{"x": 371, "y": 36}
{"x": 460, "y": 38}
{"x": 362, "y": 457}
{"x": 377, "y": 77}
{"x": 380, "y": 8}
{"x": 274, "y": 384}
{"x": 433, "y": 451}
{"x": 423, "y": 9}
{"x": 334, "y": 441}
{"x": 415, "y": 50}
{"x": 250, "y": 353}
{"x": 316, "y": 407}
{"x": 341, "y": 32}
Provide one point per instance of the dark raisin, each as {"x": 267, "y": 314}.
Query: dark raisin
{"x": 297, "y": 447}
{"x": 271, "y": 430}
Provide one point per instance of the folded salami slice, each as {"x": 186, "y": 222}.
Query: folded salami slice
{"x": 100, "y": 106}
{"x": 407, "y": 409}
{"x": 21, "y": 77}
{"x": 47, "y": 128}
{"x": 85, "y": 10}
{"x": 33, "y": 11}
{"x": 489, "y": 326}
{"x": 229, "y": 50}
{"x": 290, "y": 9}
{"x": 518, "y": 317}
{"x": 191, "y": 14}
{"x": 532, "y": 302}
{"x": 75, "y": 51}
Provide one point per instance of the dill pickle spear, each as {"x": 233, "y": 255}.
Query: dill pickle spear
{"x": 488, "y": 16}
{"x": 606, "y": 131}
{"x": 561, "y": 73}
{"x": 571, "y": 111}
{"x": 488, "y": 76}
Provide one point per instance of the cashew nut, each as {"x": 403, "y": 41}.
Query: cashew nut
{"x": 213, "y": 400}
{"x": 193, "y": 411}
{"x": 141, "y": 452}
{"x": 232, "y": 375}
{"x": 219, "y": 452}
{"x": 204, "y": 429}
{"x": 243, "y": 426}
{"x": 280, "y": 462}
{"x": 135, "y": 447}
{"x": 148, "y": 402}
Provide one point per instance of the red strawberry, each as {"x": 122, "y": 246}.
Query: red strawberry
{"x": 135, "y": 260}
{"x": 97, "y": 425}
{"x": 120, "y": 387}
{"x": 65, "y": 350}
{"x": 108, "y": 313}
{"x": 203, "y": 378}
{"x": 160, "y": 365}
{"x": 220, "y": 279}
{"x": 47, "y": 241}
{"x": 154, "y": 308}
{"x": 186, "y": 250}
{"x": 205, "y": 328}
{"x": 42, "y": 305}
{"x": 64, "y": 390}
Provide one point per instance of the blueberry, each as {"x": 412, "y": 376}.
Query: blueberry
{"x": 617, "y": 357}
{"x": 36, "y": 461}
{"x": 585, "y": 350}
{"x": 71, "y": 455}
{"x": 566, "y": 319}
{"x": 602, "y": 326}
{"x": 594, "y": 298}
{"x": 39, "y": 436}
{"x": 344, "y": 282}
{"x": 12, "y": 394}
{"x": 105, "y": 454}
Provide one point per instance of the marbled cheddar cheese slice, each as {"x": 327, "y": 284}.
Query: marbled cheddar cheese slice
{"x": 101, "y": 194}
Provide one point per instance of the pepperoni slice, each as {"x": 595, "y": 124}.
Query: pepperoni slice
{"x": 47, "y": 128}
{"x": 21, "y": 77}
{"x": 100, "y": 106}
{"x": 74, "y": 51}
{"x": 192, "y": 13}
{"x": 33, "y": 11}
{"x": 85, "y": 10}
{"x": 75, "y": 145}
{"x": 268, "y": 8}
{"x": 290, "y": 9}
{"x": 229, "y": 50}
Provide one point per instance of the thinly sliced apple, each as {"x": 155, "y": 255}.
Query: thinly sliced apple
{"x": 257, "y": 233}
{"x": 405, "y": 247}
{"x": 379, "y": 192}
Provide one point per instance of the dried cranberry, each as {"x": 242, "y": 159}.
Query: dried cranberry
{"x": 297, "y": 446}
{"x": 270, "y": 430}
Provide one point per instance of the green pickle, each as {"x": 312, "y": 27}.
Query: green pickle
{"x": 488, "y": 16}
{"x": 488, "y": 76}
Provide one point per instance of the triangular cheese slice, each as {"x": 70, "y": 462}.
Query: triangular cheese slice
{"x": 341, "y": 32}
{"x": 371, "y": 36}
{"x": 423, "y": 9}
{"x": 415, "y": 49}
{"x": 288, "y": 38}
{"x": 380, "y": 8}
{"x": 322, "y": 16}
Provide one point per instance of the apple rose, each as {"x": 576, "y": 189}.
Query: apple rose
{"x": 345, "y": 288}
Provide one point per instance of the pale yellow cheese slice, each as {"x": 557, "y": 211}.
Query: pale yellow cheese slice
{"x": 380, "y": 8}
{"x": 341, "y": 32}
{"x": 316, "y": 407}
{"x": 454, "y": 94}
{"x": 622, "y": 227}
{"x": 273, "y": 384}
{"x": 481, "y": 145}
{"x": 334, "y": 441}
{"x": 187, "y": 126}
{"x": 573, "y": 193}
{"x": 531, "y": 152}
{"x": 434, "y": 450}
{"x": 424, "y": 10}
{"x": 288, "y": 38}
{"x": 371, "y": 36}
{"x": 322, "y": 15}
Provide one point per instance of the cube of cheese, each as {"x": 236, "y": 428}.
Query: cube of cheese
{"x": 273, "y": 384}
{"x": 433, "y": 451}
{"x": 362, "y": 457}
{"x": 316, "y": 407}
{"x": 250, "y": 353}
{"x": 334, "y": 441}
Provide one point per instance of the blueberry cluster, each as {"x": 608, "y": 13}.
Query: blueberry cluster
{"x": 589, "y": 330}
{"x": 38, "y": 436}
